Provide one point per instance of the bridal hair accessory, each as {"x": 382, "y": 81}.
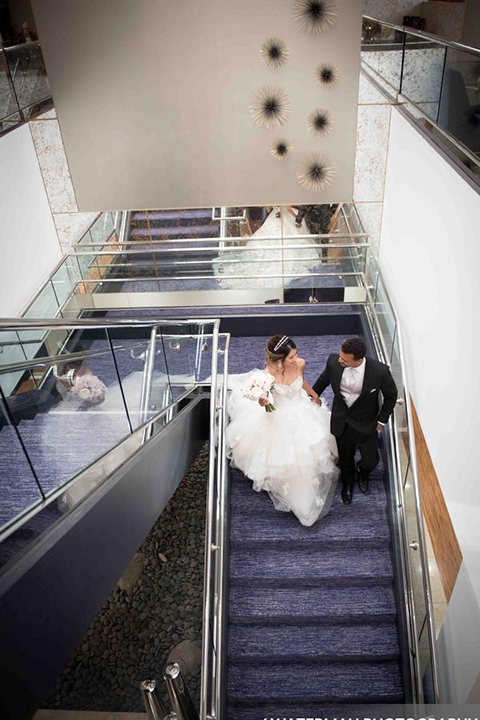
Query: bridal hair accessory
{"x": 280, "y": 343}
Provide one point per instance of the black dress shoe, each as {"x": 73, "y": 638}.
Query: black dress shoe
{"x": 347, "y": 494}
{"x": 362, "y": 478}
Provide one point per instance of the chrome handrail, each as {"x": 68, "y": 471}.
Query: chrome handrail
{"x": 418, "y": 502}
{"x": 20, "y": 46}
{"x": 23, "y": 324}
{"x": 426, "y": 35}
{"x": 189, "y": 241}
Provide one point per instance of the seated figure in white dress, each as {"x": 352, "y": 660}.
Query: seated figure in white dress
{"x": 289, "y": 452}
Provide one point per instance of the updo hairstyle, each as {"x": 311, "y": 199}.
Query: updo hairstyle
{"x": 278, "y": 348}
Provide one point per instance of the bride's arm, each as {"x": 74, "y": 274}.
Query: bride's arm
{"x": 308, "y": 388}
{"x": 311, "y": 392}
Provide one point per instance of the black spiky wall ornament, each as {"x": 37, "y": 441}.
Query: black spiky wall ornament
{"x": 315, "y": 16}
{"x": 326, "y": 75}
{"x": 320, "y": 122}
{"x": 274, "y": 52}
{"x": 270, "y": 107}
{"x": 281, "y": 150}
{"x": 316, "y": 173}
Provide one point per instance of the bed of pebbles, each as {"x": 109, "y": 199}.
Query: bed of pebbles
{"x": 153, "y": 613}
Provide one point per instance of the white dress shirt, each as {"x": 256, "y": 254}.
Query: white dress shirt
{"x": 351, "y": 383}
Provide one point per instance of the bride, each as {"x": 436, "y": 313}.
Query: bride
{"x": 258, "y": 260}
{"x": 288, "y": 452}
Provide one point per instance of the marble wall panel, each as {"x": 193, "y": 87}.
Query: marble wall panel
{"x": 53, "y": 165}
{"x": 71, "y": 227}
{"x": 371, "y": 217}
{"x": 422, "y": 74}
{"x": 444, "y": 18}
{"x": 371, "y": 155}
{"x": 391, "y": 10}
{"x": 368, "y": 93}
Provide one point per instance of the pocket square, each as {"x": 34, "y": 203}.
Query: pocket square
{"x": 373, "y": 390}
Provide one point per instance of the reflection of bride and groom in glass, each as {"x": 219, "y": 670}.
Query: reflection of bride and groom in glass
{"x": 262, "y": 262}
{"x": 292, "y": 452}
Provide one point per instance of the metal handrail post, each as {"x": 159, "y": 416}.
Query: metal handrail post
{"x": 209, "y": 549}
{"x": 154, "y": 707}
{"x": 180, "y": 700}
{"x": 147, "y": 376}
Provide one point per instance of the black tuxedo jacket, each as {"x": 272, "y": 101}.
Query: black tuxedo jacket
{"x": 365, "y": 412}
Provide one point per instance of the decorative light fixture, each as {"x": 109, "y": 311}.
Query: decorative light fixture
{"x": 274, "y": 52}
{"x": 270, "y": 107}
{"x": 315, "y": 16}
{"x": 316, "y": 173}
{"x": 320, "y": 122}
{"x": 281, "y": 150}
{"x": 326, "y": 75}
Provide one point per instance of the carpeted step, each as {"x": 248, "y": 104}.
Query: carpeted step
{"x": 361, "y": 527}
{"x": 319, "y": 682}
{"x": 245, "y": 500}
{"x": 307, "y": 566}
{"x": 157, "y": 233}
{"x": 177, "y": 216}
{"x": 287, "y": 711}
{"x": 324, "y": 604}
{"x": 312, "y": 643}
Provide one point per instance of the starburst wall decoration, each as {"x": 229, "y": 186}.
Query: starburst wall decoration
{"x": 316, "y": 173}
{"x": 326, "y": 75}
{"x": 320, "y": 122}
{"x": 471, "y": 120}
{"x": 281, "y": 150}
{"x": 270, "y": 107}
{"x": 274, "y": 53}
{"x": 315, "y": 16}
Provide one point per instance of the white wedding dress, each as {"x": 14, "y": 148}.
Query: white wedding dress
{"x": 290, "y": 452}
{"x": 261, "y": 261}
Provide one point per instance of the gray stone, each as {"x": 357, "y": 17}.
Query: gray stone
{"x": 188, "y": 655}
{"x": 133, "y": 572}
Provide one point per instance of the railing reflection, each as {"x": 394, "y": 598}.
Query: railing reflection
{"x": 437, "y": 81}
{"x": 24, "y": 87}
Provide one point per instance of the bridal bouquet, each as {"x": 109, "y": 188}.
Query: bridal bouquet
{"x": 259, "y": 387}
{"x": 89, "y": 388}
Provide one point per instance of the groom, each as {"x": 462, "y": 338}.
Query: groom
{"x": 357, "y": 417}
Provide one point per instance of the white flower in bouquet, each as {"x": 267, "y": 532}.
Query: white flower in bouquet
{"x": 89, "y": 388}
{"x": 259, "y": 387}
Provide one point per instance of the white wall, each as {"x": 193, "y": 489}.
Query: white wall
{"x": 430, "y": 257}
{"x": 153, "y": 100}
{"x": 29, "y": 246}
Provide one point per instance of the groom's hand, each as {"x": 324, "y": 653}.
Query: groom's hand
{"x": 316, "y": 400}
{"x": 379, "y": 427}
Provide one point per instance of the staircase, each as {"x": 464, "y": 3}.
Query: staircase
{"x": 312, "y": 613}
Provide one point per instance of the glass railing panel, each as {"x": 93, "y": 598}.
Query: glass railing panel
{"x": 29, "y": 77}
{"x": 8, "y": 103}
{"x": 102, "y": 229}
{"x": 422, "y": 74}
{"x": 45, "y": 305}
{"x": 183, "y": 351}
{"x": 459, "y": 110}
{"x": 371, "y": 274}
{"x": 63, "y": 283}
{"x": 385, "y": 317}
{"x": 75, "y": 414}
{"x": 382, "y": 50}
{"x": 142, "y": 367}
{"x": 18, "y": 488}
